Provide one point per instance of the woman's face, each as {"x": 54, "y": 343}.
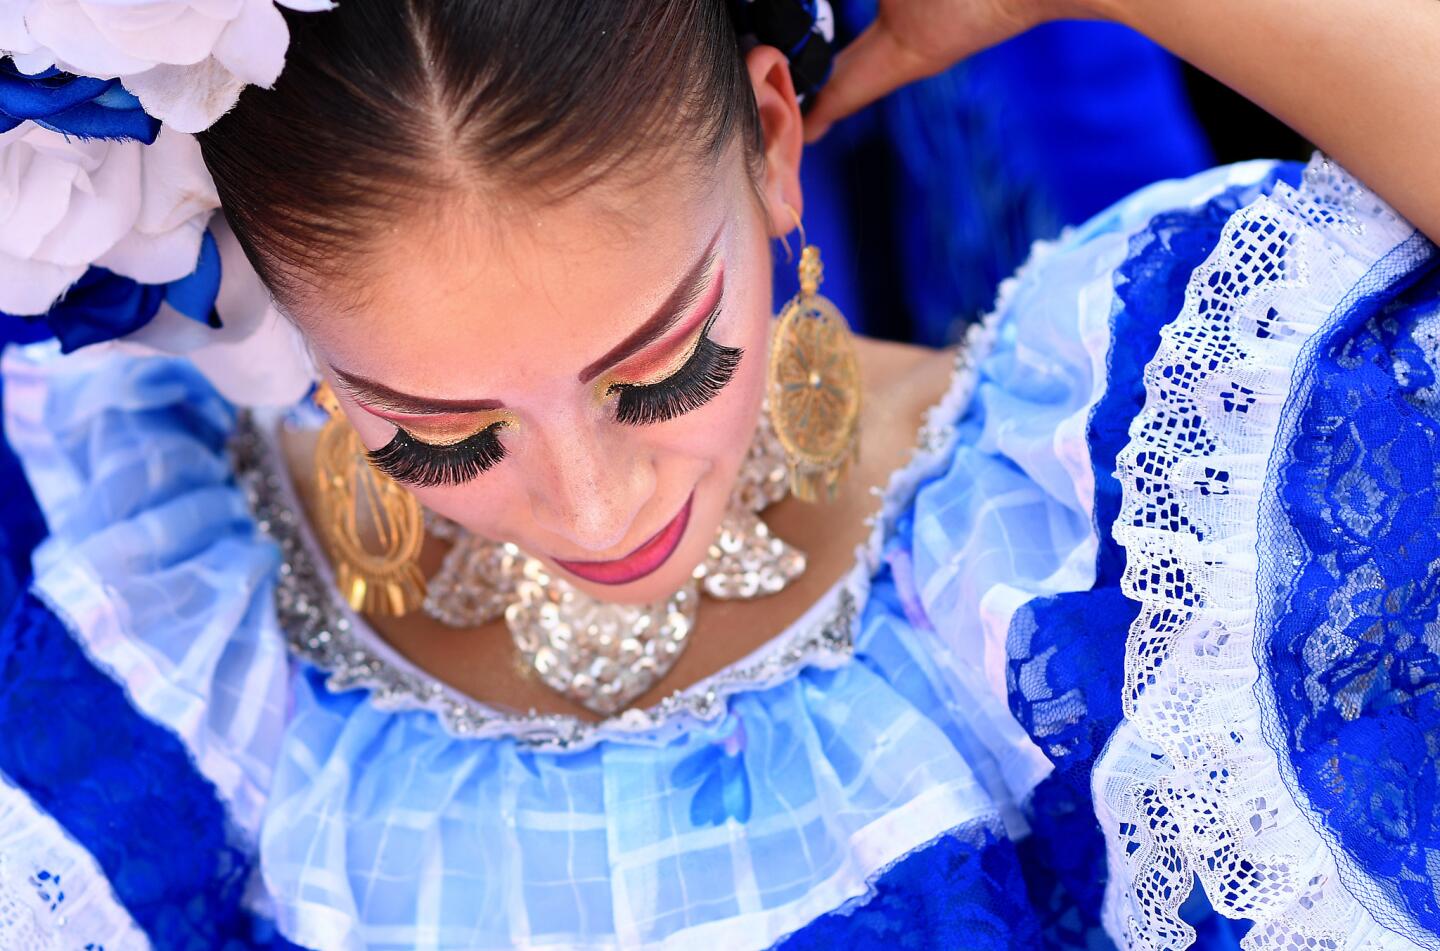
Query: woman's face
{"x": 582, "y": 380}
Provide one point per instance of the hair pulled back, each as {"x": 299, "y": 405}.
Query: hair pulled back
{"x": 383, "y": 102}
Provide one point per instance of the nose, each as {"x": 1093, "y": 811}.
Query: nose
{"x": 587, "y": 485}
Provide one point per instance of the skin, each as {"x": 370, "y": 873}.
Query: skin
{"x": 467, "y": 302}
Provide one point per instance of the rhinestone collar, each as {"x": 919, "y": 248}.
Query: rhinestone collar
{"x": 322, "y": 630}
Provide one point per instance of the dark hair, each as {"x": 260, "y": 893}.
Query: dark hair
{"x": 382, "y": 101}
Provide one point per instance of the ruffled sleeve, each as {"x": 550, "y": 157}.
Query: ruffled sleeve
{"x": 1007, "y": 554}
{"x": 153, "y": 561}
{"x": 1012, "y": 517}
{"x": 1281, "y": 531}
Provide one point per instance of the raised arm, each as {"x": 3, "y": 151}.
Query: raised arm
{"x": 1360, "y": 78}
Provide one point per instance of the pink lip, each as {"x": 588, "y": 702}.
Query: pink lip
{"x": 640, "y": 562}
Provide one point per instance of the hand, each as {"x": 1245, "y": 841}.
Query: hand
{"x": 912, "y": 39}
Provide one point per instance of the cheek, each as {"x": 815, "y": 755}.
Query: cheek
{"x": 492, "y": 506}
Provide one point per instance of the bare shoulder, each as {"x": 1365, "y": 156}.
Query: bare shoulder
{"x": 901, "y": 381}
{"x": 887, "y": 364}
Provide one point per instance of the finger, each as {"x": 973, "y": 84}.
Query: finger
{"x": 872, "y": 66}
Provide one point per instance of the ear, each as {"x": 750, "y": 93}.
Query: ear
{"x": 784, "y": 135}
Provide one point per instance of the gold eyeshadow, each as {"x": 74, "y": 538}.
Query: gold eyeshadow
{"x": 448, "y": 432}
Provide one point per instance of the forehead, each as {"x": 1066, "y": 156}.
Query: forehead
{"x": 470, "y": 300}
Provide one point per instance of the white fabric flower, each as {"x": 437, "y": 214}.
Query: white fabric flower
{"x": 185, "y": 60}
{"x": 67, "y": 203}
{"x": 256, "y": 357}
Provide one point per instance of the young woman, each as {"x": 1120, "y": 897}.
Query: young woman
{"x": 594, "y": 606}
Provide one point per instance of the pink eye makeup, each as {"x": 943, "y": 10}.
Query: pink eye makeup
{"x": 687, "y": 381}
{"x": 669, "y": 353}
{"x": 706, "y": 370}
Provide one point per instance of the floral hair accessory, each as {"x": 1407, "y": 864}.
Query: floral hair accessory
{"x": 137, "y": 210}
{"x": 108, "y": 231}
{"x": 185, "y": 60}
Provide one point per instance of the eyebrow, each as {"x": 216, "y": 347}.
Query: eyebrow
{"x": 384, "y": 398}
{"x": 674, "y": 307}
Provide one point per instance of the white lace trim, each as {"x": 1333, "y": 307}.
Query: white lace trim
{"x": 356, "y": 656}
{"x": 1189, "y": 786}
{"x": 52, "y": 893}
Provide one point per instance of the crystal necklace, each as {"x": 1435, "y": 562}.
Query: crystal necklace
{"x": 604, "y": 655}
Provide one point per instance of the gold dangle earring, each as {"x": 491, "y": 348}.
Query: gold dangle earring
{"x": 814, "y": 384}
{"x": 357, "y": 503}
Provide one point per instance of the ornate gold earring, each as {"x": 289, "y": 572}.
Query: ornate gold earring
{"x": 814, "y": 384}
{"x": 358, "y": 503}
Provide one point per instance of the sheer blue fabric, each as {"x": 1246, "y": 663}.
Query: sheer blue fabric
{"x": 1352, "y": 531}
{"x": 727, "y": 834}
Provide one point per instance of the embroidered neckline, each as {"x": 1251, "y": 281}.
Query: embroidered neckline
{"x": 322, "y": 630}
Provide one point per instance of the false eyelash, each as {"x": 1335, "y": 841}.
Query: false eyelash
{"x": 407, "y": 459}
{"x": 709, "y": 368}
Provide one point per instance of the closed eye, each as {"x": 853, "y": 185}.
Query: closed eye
{"x": 708, "y": 369}
{"x": 415, "y": 462}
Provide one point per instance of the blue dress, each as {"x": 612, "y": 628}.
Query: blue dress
{"x": 1153, "y": 606}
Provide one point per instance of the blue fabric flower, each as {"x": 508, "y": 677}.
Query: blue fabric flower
{"x": 103, "y": 305}
{"x": 718, "y": 769}
{"x": 194, "y": 294}
{"x": 72, "y": 105}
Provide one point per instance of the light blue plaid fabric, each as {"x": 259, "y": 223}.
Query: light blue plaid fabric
{"x": 380, "y": 829}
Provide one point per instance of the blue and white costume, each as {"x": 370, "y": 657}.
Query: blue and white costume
{"x": 1155, "y": 599}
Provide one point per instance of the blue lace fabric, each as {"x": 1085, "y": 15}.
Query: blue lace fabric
{"x": 964, "y": 891}
{"x": 1067, "y": 652}
{"x": 124, "y": 788}
{"x": 1351, "y": 549}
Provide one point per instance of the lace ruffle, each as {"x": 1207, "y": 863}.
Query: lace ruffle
{"x": 152, "y": 559}
{"x": 1189, "y": 786}
{"x": 1067, "y": 650}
